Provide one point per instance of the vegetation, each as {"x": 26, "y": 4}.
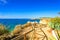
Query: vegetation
{"x": 3, "y": 29}
{"x": 55, "y": 24}
{"x": 52, "y": 38}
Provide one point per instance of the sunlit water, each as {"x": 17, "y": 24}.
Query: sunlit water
{"x": 11, "y": 23}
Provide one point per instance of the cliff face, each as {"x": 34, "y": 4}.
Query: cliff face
{"x": 40, "y": 31}
{"x": 16, "y": 30}
{"x": 44, "y": 21}
{"x": 32, "y": 31}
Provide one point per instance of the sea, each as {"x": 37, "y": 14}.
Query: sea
{"x": 11, "y": 23}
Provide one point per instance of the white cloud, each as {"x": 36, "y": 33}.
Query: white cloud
{"x": 3, "y": 1}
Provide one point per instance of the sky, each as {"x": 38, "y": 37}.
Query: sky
{"x": 29, "y": 8}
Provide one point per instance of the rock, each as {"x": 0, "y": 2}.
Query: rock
{"x": 44, "y": 21}
{"x": 27, "y": 24}
{"x": 16, "y": 30}
{"x": 2, "y": 27}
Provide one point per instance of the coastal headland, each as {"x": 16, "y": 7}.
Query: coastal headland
{"x": 29, "y": 31}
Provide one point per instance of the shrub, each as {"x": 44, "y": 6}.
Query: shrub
{"x": 3, "y": 29}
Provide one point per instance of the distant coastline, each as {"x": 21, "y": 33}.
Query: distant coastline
{"x": 11, "y": 23}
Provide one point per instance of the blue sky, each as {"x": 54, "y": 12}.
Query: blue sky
{"x": 29, "y": 8}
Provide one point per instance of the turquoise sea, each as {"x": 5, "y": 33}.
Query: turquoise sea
{"x": 11, "y": 23}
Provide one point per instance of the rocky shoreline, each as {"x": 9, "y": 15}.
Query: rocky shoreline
{"x": 29, "y": 31}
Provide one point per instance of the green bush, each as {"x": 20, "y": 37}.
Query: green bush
{"x": 3, "y": 29}
{"x": 55, "y": 23}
